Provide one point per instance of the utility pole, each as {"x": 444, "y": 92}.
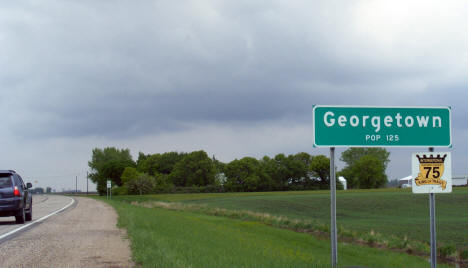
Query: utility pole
{"x": 87, "y": 182}
{"x": 76, "y": 184}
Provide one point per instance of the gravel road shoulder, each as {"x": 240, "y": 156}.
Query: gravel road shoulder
{"x": 85, "y": 236}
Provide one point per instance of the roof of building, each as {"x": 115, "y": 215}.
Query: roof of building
{"x": 407, "y": 178}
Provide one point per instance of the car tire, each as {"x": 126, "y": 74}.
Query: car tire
{"x": 29, "y": 215}
{"x": 21, "y": 217}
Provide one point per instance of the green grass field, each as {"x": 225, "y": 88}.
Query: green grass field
{"x": 185, "y": 234}
{"x": 388, "y": 211}
{"x": 167, "y": 238}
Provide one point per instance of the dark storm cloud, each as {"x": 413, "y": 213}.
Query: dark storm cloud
{"x": 234, "y": 78}
{"x": 121, "y": 68}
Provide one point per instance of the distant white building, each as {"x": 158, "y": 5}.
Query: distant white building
{"x": 459, "y": 180}
{"x": 343, "y": 181}
{"x": 405, "y": 182}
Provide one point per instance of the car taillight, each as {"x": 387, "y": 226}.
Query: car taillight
{"x": 16, "y": 192}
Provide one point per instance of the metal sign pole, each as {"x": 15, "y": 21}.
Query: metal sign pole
{"x": 433, "y": 226}
{"x": 333, "y": 236}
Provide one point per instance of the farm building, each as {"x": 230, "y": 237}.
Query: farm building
{"x": 343, "y": 181}
{"x": 459, "y": 180}
{"x": 405, "y": 182}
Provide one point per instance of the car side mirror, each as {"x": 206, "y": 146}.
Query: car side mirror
{"x": 28, "y": 185}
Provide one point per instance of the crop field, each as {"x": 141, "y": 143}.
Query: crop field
{"x": 229, "y": 229}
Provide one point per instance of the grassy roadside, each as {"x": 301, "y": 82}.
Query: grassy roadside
{"x": 386, "y": 211}
{"x": 167, "y": 238}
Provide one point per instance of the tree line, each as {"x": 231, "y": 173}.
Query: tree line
{"x": 197, "y": 172}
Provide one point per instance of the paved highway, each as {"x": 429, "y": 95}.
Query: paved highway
{"x": 65, "y": 232}
{"x": 43, "y": 206}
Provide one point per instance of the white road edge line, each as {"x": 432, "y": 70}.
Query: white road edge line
{"x": 38, "y": 220}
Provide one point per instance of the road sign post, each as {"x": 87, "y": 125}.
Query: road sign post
{"x": 333, "y": 232}
{"x": 109, "y": 190}
{"x": 432, "y": 173}
{"x": 433, "y": 230}
{"x": 372, "y": 126}
{"x": 433, "y": 226}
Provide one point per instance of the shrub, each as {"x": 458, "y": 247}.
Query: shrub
{"x": 464, "y": 254}
{"x": 122, "y": 190}
{"x": 129, "y": 173}
{"x": 446, "y": 250}
{"x": 397, "y": 242}
{"x": 162, "y": 184}
{"x": 143, "y": 184}
{"x": 372, "y": 238}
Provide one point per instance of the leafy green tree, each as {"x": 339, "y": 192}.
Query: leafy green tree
{"x": 297, "y": 165}
{"x": 242, "y": 175}
{"x": 120, "y": 190}
{"x": 219, "y": 166}
{"x": 320, "y": 168}
{"x": 368, "y": 172}
{"x": 282, "y": 175}
{"x": 168, "y": 160}
{"x": 162, "y": 183}
{"x": 278, "y": 173}
{"x": 305, "y": 158}
{"x": 129, "y": 173}
{"x": 148, "y": 163}
{"x": 352, "y": 180}
{"x": 283, "y": 172}
{"x": 280, "y": 170}
{"x": 141, "y": 158}
{"x": 109, "y": 163}
{"x": 195, "y": 169}
{"x": 364, "y": 165}
{"x": 352, "y": 155}
{"x": 270, "y": 180}
{"x": 158, "y": 163}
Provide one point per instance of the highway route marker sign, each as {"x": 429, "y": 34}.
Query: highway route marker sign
{"x": 431, "y": 172}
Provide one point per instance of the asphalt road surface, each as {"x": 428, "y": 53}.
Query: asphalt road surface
{"x": 43, "y": 205}
{"x": 65, "y": 232}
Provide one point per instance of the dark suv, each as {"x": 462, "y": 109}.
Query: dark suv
{"x": 15, "y": 199}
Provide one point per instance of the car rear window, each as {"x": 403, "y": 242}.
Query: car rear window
{"x": 5, "y": 181}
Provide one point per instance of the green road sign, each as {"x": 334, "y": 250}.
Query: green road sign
{"x": 366, "y": 126}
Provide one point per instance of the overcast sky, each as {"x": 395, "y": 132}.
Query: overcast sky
{"x": 234, "y": 78}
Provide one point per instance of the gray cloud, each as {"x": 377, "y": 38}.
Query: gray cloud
{"x": 126, "y": 70}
